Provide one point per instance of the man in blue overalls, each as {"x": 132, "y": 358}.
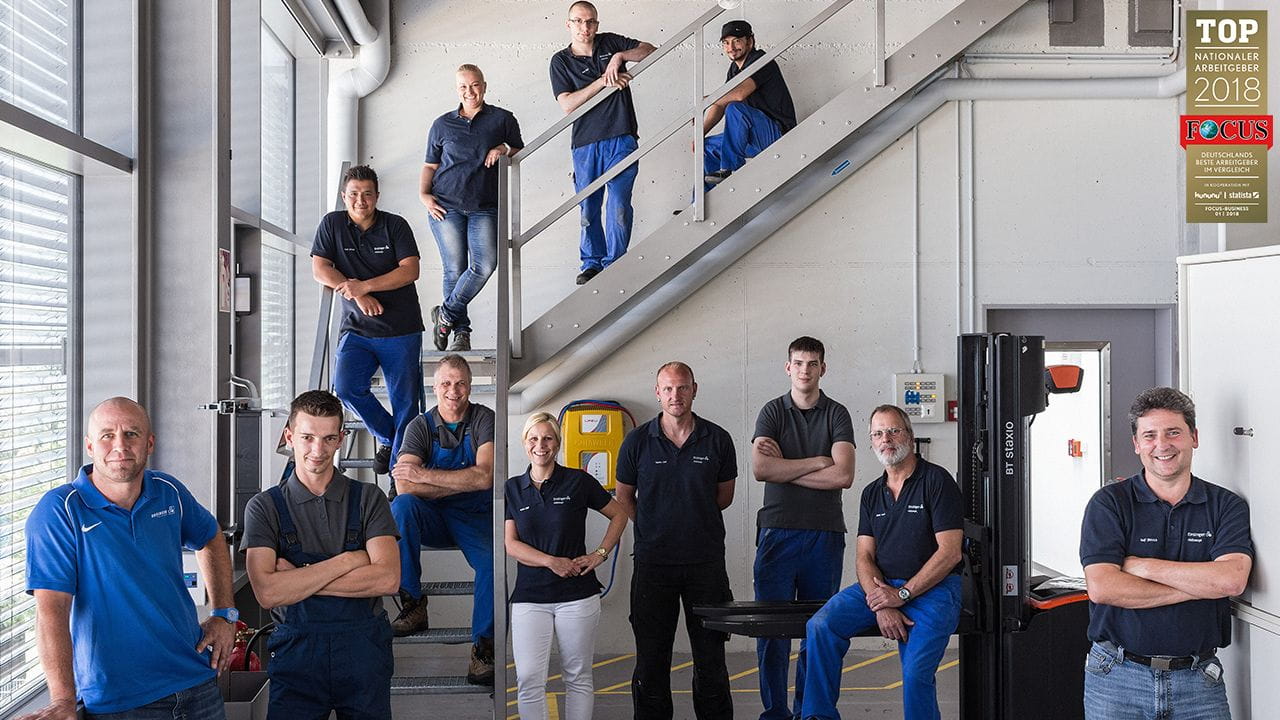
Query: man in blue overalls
{"x": 443, "y": 477}
{"x": 321, "y": 553}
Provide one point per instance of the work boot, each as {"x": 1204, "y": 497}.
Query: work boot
{"x": 382, "y": 460}
{"x": 413, "y": 618}
{"x": 717, "y": 177}
{"x": 461, "y": 341}
{"x": 480, "y": 671}
{"x": 585, "y": 276}
{"x": 440, "y": 328}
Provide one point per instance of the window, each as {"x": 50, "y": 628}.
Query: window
{"x": 37, "y": 69}
{"x": 35, "y": 250}
{"x": 277, "y": 323}
{"x": 277, "y": 132}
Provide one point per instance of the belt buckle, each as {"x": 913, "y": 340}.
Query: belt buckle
{"x": 1162, "y": 663}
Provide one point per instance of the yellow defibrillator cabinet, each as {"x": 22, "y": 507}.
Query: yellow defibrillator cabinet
{"x": 593, "y": 432}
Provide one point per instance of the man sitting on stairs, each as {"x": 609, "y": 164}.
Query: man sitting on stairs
{"x": 443, "y": 478}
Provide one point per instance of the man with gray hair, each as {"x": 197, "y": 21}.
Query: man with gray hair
{"x": 1162, "y": 550}
{"x": 910, "y": 527}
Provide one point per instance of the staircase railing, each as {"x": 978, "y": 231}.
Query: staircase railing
{"x": 514, "y": 239}
{"x": 326, "y": 322}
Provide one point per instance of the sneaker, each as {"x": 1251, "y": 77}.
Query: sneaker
{"x": 585, "y": 276}
{"x": 413, "y": 617}
{"x": 382, "y": 460}
{"x": 717, "y": 177}
{"x": 461, "y": 341}
{"x": 480, "y": 671}
{"x": 439, "y": 333}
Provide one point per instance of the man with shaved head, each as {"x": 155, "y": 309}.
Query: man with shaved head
{"x": 116, "y": 626}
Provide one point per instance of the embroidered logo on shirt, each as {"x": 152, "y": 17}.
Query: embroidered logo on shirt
{"x": 659, "y": 462}
{"x": 164, "y": 513}
{"x": 526, "y": 507}
{"x": 1148, "y": 540}
{"x": 915, "y": 508}
{"x": 87, "y": 528}
{"x": 1196, "y": 537}
{"x": 880, "y": 514}
{"x": 561, "y": 500}
{"x": 701, "y": 458}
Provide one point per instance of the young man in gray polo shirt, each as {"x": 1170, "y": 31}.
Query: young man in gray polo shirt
{"x": 803, "y": 450}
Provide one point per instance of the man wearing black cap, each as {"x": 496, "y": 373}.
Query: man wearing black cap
{"x": 756, "y": 112}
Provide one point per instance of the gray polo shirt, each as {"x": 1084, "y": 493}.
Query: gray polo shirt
{"x": 802, "y": 434}
{"x": 321, "y": 521}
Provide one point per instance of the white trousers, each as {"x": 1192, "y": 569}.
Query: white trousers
{"x": 574, "y": 626}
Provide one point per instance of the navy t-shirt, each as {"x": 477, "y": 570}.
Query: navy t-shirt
{"x": 929, "y": 503}
{"x": 553, "y": 519}
{"x": 771, "y": 95}
{"x": 364, "y": 254}
{"x": 1126, "y": 518}
{"x": 616, "y": 115}
{"x": 678, "y": 520}
{"x": 459, "y": 145}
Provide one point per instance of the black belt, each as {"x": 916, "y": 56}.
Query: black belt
{"x": 1165, "y": 662}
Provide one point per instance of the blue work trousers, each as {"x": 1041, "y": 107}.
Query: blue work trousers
{"x": 464, "y": 520}
{"x": 468, "y": 242}
{"x": 747, "y": 132}
{"x": 200, "y": 702}
{"x": 602, "y": 244}
{"x": 400, "y": 357}
{"x": 935, "y": 614}
{"x": 1116, "y": 688}
{"x": 792, "y": 565}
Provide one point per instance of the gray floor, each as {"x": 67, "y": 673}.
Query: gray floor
{"x": 870, "y": 688}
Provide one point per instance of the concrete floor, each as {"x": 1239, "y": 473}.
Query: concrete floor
{"x": 871, "y": 686}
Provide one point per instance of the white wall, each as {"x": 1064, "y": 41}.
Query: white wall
{"x": 1074, "y": 202}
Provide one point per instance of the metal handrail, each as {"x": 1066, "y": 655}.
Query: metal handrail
{"x": 326, "y": 323}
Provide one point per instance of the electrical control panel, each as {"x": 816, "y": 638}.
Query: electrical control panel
{"x": 922, "y": 395}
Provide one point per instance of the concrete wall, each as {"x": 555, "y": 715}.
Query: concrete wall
{"x": 1074, "y": 203}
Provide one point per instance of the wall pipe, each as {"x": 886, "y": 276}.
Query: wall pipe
{"x": 369, "y": 69}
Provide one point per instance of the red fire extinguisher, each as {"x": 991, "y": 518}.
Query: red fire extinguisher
{"x": 241, "y": 658}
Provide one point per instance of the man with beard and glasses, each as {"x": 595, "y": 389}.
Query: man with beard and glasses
{"x": 910, "y": 527}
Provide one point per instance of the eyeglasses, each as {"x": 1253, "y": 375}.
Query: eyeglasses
{"x": 579, "y": 22}
{"x": 891, "y": 432}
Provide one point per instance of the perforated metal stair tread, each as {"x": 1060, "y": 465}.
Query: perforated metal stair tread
{"x": 439, "y": 636}
{"x": 436, "y": 685}
{"x": 458, "y": 587}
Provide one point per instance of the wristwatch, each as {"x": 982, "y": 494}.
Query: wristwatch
{"x": 904, "y": 594}
{"x": 230, "y": 614}
{"x": 604, "y": 554}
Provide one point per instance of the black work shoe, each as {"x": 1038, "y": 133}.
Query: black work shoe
{"x": 480, "y": 671}
{"x": 413, "y": 617}
{"x": 382, "y": 460}
{"x": 586, "y": 275}
{"x": 439, "y": 333}
{"x": 715, "y": 178}
{"x": 461, "y": 341}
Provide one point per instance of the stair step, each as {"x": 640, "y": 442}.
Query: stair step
{"x": 457, "y": 587}
{"x": 436, "y": 685}
{"x": 439, "y": 636}
{"x": 355, "y": 464}
{"x": 352, "y": 425}
{"x": 481, "y": 355}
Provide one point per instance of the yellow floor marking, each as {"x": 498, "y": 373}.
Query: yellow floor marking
{"x": 602, "y": 663}
{"x": 756, "y": 669}
{"x": 553, "y": 708}
{"x": 865, "y": 663}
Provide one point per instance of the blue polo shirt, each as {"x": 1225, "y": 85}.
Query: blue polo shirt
{"x": 459, "y": 145}
{"x": 678, "y": 521}
{"x": 771, "y": 95}
{"x": 616, "y": 115}
{"x": 133, "y": 625}
{"x": 929, "y": 503}
{"x": 1126, "y": 518}
{"x": 553, "y": 519}
{"x": 364, "y": 254}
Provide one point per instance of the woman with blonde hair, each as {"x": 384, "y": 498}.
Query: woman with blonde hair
{"x": 556, "y": 591}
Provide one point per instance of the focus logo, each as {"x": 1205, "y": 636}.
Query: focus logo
{"x": 1226, "y": 130}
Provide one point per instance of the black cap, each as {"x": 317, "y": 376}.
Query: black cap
{"x": 736, "y": 28}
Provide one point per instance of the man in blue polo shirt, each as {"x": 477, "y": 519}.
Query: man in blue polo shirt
{"x": 601, "y": 138}
{"x": 370, "y": 259}
{"x": 910, "y": 527}
{"x": 803, "y": 452}
{"x": 459, "y": 187}
{"x": 756, "y": 113}
{"x": 104, "y": 562}
{"x": 1163, "y": 551}
{"x": 676, "y": 476}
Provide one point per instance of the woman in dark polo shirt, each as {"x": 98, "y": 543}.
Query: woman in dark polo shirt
{"x": 556, "y": 587}
{"x": 459, "y": 187}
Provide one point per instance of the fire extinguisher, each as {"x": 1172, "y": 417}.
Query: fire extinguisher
{"x": 241, "y": 657}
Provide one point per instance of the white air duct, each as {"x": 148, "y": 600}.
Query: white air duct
{"x": 350, "y": 80}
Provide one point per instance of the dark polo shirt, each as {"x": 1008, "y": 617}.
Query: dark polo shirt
{"x": 771, "y": 96}
{"x": 553, "y": 519}
{"x": 364, "y": 254}
{"x": 321, "y": 521}
{"x": 459, "y": 146}
{"x": 678, "y": 521}
{"x": 802, "y": 434}
{"x": 614, "y": 116}
{"x": 929, "y": 503}
{"x": 1126, "y": 518}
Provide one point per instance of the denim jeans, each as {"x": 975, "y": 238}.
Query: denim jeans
{"x": 600, "y": 245}
{"x": 935, "y": 614}
{"x": 1116, "y": 688}
{"x": 201, "y": 702}
{"x": 468, "y": 242}
{"x": 400, "y": 357}
{"x": 792, "y": 565}
{"x": 747, "y": 132}
{"x": 574, "y": 625}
